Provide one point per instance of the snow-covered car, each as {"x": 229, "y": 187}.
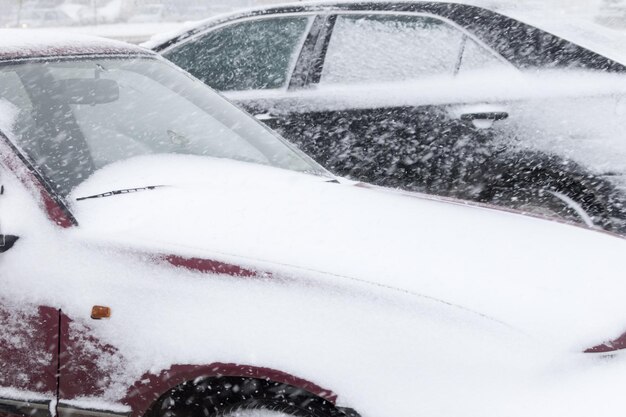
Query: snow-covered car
{"x": 164, "y": 254}
{"x": 444, "y": 98}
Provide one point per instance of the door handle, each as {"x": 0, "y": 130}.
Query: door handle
{"x": 494, "y": 116}
{"x": 7, "y": 242}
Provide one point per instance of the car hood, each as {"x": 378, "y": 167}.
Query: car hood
{"x": 558, "y": 282}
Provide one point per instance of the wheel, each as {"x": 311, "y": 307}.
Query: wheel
{"x": 549, "y": 186}
{"x": 268, "y": 408}
{"x": 543, "y": 202}
{"x": 242, "y": 397}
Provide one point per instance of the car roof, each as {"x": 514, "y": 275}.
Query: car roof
{"x": 161, "y": 41}
{"x": 23, "y": 44}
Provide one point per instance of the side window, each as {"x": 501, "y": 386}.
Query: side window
{"x": 380, "y": 48}
{"x": 251, "y": 55}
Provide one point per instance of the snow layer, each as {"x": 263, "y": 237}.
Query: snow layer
{"x": 314, "y": 225}
{"x": 401, "y": 305}
{"x": 17, "y": 43}
{"x": 15, "y": 394}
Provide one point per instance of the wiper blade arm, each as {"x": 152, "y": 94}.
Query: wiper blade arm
{"x": 118, "y": 192}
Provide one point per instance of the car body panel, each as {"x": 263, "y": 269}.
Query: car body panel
{"x": 147, "y": 334}
{"x": 28, "y": 350}
{"x": 296, "y": 199}
{"x": 364, "y": 297}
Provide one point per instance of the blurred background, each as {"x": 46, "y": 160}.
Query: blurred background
{"x": 137, "y": 20}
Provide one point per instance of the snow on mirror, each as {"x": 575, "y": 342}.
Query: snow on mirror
{"x": 74, "y": 117}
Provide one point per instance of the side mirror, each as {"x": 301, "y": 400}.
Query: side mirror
{"x": 7, "y": 242}
{"x": 89, "y": 91}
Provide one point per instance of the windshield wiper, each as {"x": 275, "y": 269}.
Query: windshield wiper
{"x": 118, "y": 192}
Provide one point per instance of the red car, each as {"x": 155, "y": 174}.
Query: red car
{"x": 163, "y": 254}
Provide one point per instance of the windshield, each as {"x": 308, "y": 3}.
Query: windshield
{"x": 73, "y": 117}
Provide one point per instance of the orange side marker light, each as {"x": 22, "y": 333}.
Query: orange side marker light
{"x": 100, "y": 312}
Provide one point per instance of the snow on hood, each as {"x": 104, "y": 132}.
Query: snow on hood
{"x": 555, "y": 281}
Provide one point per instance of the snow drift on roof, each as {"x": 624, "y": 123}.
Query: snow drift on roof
{"x": 16, "y": 43}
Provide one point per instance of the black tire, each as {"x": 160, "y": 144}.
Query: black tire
{"x": 548, "y": 185}
{"x": 226, "y": 396}
{"x": 279, "y": 406}
{"x": 541, "y": 201}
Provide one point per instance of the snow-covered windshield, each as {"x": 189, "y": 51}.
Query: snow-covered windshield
{"x": 73, "y": 117}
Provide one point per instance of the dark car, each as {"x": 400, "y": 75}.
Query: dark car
{"x": 417, "y": 95}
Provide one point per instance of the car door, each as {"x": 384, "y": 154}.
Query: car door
{"x": 376, "y": 106}
{"x": 46, "y": 356}
{"x": 28, "y": 358}
{"x": 29, "y": 342}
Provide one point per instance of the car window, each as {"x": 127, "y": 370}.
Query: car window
{"x": 73, "y": 117}
{"x": 380, "y": 48}
{"x": 135, "y": 134}
{"x": 251, "y": 55}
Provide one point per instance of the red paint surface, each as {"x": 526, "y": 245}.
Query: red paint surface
{"x": 87, "y": 367}
{"x": 28, "y": 348}
{"x": 615, "y": 345}
{"x": 209, "y": 266}
{"x": 83, "y": 372}
{"x": 83, "y": 361}
{"x": 147, "y": 390}
{"x": 54, "y": 210}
